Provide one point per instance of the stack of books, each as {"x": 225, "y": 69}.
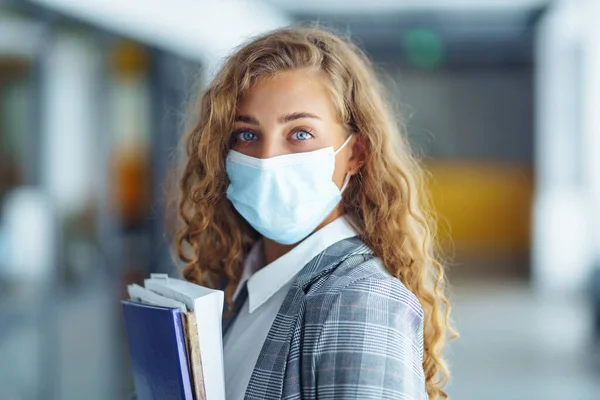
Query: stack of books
{"x": 174, "y": 334}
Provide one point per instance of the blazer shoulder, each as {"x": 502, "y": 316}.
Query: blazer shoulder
{"x": 363, "y": 336}
{"x": 365, "y": 283}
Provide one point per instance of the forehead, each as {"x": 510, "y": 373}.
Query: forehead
{"x": 302, "y": 90}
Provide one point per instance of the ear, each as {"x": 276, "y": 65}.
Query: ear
{"x": 359, "y": 153}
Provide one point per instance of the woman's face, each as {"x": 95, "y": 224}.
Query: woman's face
{"x": 291, "y": 113}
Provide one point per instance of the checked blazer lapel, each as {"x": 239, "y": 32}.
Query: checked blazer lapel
{"x": 268, "y": 377}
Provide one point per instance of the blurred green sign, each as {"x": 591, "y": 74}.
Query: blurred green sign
{"x": 423, "y": 48}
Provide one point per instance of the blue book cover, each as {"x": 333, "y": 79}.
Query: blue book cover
{"x": 158, "y": 352}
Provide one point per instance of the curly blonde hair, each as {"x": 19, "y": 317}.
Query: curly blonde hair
{"x": 386, "y": 199}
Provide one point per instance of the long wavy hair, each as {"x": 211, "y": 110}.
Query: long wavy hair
{"x": 386, "y": 198}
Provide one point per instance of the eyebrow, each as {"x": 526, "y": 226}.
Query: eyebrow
{"x": 288, "y": 118}
{"x": 247, "y": 119}
{"x": 298, "y": 115}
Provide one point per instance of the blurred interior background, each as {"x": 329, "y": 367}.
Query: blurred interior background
{"x": 500, "y": 98}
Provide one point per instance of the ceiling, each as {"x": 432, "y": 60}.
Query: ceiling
{"x": 204, "y": 31}
{"x": 468, "y": 32}
{"x": 402, "y": 6}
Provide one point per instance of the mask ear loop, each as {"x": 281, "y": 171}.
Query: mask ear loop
{"x": 346, "y": 182}
{"x": 343, "y": 144}
{"x": 348, "y": 176}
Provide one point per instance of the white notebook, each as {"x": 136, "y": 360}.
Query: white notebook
{"x": 207, "y": 306}
{"x": 141, "y": 294}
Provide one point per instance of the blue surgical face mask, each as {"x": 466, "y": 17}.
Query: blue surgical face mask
{"x": 285, "y": 197}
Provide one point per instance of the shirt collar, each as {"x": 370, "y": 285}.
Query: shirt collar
{"x": 264, "y": 282}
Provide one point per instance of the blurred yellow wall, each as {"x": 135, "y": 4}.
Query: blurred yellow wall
{"x": 485, "y": 207}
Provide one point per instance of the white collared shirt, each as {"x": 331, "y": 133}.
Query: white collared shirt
{"x": 267, "y": 288}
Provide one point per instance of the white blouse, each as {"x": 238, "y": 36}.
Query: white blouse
{"x": 267, "y": 288}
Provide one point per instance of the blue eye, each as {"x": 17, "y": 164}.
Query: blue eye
{"x": 245, "y": 136}
{"x": 301, "y": 135}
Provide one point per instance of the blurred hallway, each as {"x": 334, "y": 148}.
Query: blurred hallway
{"x": 515, "y": 345}
{"x": 499, "y": 98}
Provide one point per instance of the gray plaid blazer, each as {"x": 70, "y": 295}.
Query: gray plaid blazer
{"x": 347, "y": 329}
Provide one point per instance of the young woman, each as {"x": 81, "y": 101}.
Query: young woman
{"x": 301, "y": 198}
